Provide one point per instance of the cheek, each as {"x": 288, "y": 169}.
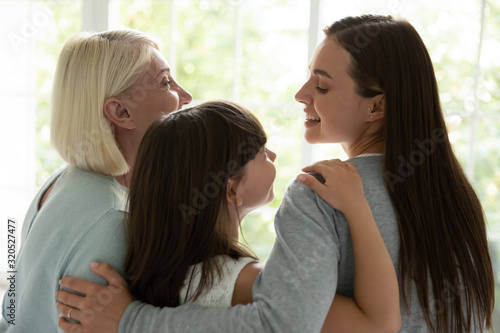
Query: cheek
{"x": 273, "y": 172}
{"x": 330, "y": 106}
{"x": 272, "y": 176}
{"x": 170, "y": 102}
{"x": 271, "y": 182}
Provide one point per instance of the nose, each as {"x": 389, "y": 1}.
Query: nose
{"x": 271, "y": 154}
{"x": 302, "y": 96}
{"x": 184, "y": 97}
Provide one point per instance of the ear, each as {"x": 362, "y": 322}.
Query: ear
{"x": 232, "y": 195}
{"x": 377, "y": 109}
{"x": 116, "y": 112}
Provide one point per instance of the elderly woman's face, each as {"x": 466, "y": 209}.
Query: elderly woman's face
{"x": 156, "y": 94}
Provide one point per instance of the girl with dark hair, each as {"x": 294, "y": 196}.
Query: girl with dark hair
{"x": 199, "y": 171}
{"x": 372, "y": 89}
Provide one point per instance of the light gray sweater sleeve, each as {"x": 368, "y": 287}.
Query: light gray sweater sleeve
{"x": 292, "y": 294}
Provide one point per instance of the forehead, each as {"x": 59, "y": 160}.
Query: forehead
{"x": 157, "y": 68}
{"x": 158, "y": 62}
{"x": 330, "y": 57}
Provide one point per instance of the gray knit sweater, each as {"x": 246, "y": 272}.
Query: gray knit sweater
{"x": 311, "y": 260}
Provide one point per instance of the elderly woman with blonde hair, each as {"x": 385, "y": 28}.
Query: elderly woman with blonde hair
{"x": 108, "y": 88}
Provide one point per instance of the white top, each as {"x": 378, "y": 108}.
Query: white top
{"x": 221, "y": 293}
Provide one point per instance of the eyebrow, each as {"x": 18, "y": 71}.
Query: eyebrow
{"x": 163, "y": 70}
{"x": 322, "y": 73}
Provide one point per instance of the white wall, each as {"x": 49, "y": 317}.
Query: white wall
{"x": 20, "y": 23}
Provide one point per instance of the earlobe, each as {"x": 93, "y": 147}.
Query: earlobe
{"x": 116, "y": 112}
{"x": 377, "y": 111}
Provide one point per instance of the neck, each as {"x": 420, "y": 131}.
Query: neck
{"x": 365, "y": 146}
{"x": 235, "y": 219}
{"x": 129, "y": 144}
{"x": 124, "y": 179}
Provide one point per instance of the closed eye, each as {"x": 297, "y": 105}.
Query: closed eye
{"x": 321, "y": 90}
{"x": 166, "y": 82}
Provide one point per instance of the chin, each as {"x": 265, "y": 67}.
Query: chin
{"x": 310, "y": 140}
{"x": 271, "y": 196}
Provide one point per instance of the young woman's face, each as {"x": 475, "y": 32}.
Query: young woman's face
{"x": 334, "y": 112}
{"x": 256, "y": 187}
{"x": 156, "y": 94}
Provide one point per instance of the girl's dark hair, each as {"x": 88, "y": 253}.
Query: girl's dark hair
{"x": 178, "y": 209}
{"x": 441, "y": 222}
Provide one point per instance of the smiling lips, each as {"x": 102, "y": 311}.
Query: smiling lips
{"x": 312, "y": 117}
{"x": 311, "y": 120}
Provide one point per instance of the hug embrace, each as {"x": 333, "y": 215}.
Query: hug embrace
{"x": 140, "y": 232}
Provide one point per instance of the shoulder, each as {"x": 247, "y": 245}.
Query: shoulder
{"x": 298, "y": 194}
{"x": 301, "y": 204}
{"x": 242, "y": 293}
{"x": 54, "y": 176}
{"x": 235, "y": 283}
{"x": 88, "y": 190}
{"x": 371, "y": 171}
{"x": 81, "y": 202}
{"x": 33, "y": 208}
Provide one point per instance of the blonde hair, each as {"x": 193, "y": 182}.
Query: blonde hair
{"x": 91, "y": 68}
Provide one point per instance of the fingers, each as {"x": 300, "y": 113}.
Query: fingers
{"x": 313, "y": 167}
{"x": 82, "y": 309}
{"x": 68, "y": 311}
{"x": 69, "y": 299}
{"x": 83, "y": 303}
{"x": 350, "y": 166}
{"x": 311, "y": 182}
{"x": 82, "y": 316}
{"x": 115, "y": 280}
{"x": 106, "y": 271}
{"x": 69, "y": 327}
{"x": 78, "y": 285}
{"x": 331, "y": 169}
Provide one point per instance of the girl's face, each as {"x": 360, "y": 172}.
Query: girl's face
{"x": 255, "y": 189}
{"x": 334, "y": 112}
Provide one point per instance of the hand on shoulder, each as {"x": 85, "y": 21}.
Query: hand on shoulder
{"x": 342, "y": 188}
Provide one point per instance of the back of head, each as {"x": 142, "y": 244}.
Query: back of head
{"x": 91, "y": 68}
{"x": 178, "y": 208}
{"x": 439, "y": 214}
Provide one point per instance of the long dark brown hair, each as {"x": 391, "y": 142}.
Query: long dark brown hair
{"x": 178, "y": 209}
{"x": 442, "y": 227}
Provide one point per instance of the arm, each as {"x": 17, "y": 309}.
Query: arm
{"x": 375, "y": 306}
{"x": 105, "y": 241}
{"x": 292, "y": 294}
{"x": 242, "y": 293}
